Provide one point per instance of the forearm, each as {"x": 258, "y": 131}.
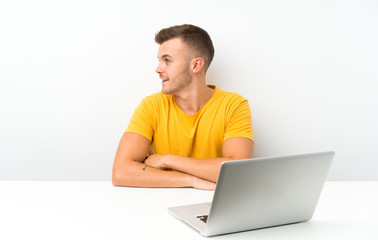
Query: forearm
{"x": 136, "y": 174}
{"x": 207, "y": 169}
{"x": 128, "y": 169}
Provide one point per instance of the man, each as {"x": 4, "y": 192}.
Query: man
{"x": 180, "y": 136}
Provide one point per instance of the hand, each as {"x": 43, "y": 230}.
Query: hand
{"x": 156, "y": 161}
{"x": 199, "y": 183}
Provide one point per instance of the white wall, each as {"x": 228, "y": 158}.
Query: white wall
{"x": 72, "y": 72}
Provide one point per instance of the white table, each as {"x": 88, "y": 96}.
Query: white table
{"x": 98, "y": 210}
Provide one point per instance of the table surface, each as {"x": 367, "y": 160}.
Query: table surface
{"x": 98, "y": 210}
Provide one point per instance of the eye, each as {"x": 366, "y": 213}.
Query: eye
{"x": 167, "y": 61}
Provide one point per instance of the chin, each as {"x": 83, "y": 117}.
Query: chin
{"x": 165, "y": 91}
{"x": 168, "y": 91}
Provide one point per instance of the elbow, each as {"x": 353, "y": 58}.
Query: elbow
{"x": 123, "y": 177}
{"x": 115, "y": 179}
{"x": 115, "y": 182}
{"x": 119, "y": 179}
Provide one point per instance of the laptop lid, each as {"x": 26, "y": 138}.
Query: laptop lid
{"x": 261, "y": 192}
{"x": 265, "y": 192}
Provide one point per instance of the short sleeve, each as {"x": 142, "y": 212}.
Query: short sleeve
{"x": 143, "y": 119}
{"x": 239, "y": 121}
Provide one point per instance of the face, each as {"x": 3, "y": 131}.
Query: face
{"x": 173, "y": 67}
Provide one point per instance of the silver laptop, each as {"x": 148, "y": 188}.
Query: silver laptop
{"x": 258, "y": 193}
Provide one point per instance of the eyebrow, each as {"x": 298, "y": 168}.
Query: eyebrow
{"x": 165, "y": 55}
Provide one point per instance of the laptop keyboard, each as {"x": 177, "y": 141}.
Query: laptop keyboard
{"x": 203, "y": 218}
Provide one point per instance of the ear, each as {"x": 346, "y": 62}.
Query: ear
{"x": 197, "y": 64}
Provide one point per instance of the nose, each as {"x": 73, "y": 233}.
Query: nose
{"x": 159, "y": 69}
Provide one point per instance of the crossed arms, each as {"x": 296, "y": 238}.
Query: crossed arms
{"x": 133, "y": 166}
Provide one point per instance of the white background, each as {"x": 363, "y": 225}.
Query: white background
{"x": 72, "y": 72}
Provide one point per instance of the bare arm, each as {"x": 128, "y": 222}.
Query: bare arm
{"x": 208, "y": 169}
{"x": 129, "y": 169}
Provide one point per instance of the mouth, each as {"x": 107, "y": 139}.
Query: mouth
{"x": 164, "y": 80}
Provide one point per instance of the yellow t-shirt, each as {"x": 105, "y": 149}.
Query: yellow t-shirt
{"x": 171, "y": 131}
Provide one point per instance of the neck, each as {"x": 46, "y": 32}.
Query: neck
{"x": 193, "y": 99}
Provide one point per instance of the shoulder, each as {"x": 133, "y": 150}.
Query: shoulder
{"x": 156, "y": 103}
{"x": 231, "y": 98}
{"x": 157, "y": 99}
